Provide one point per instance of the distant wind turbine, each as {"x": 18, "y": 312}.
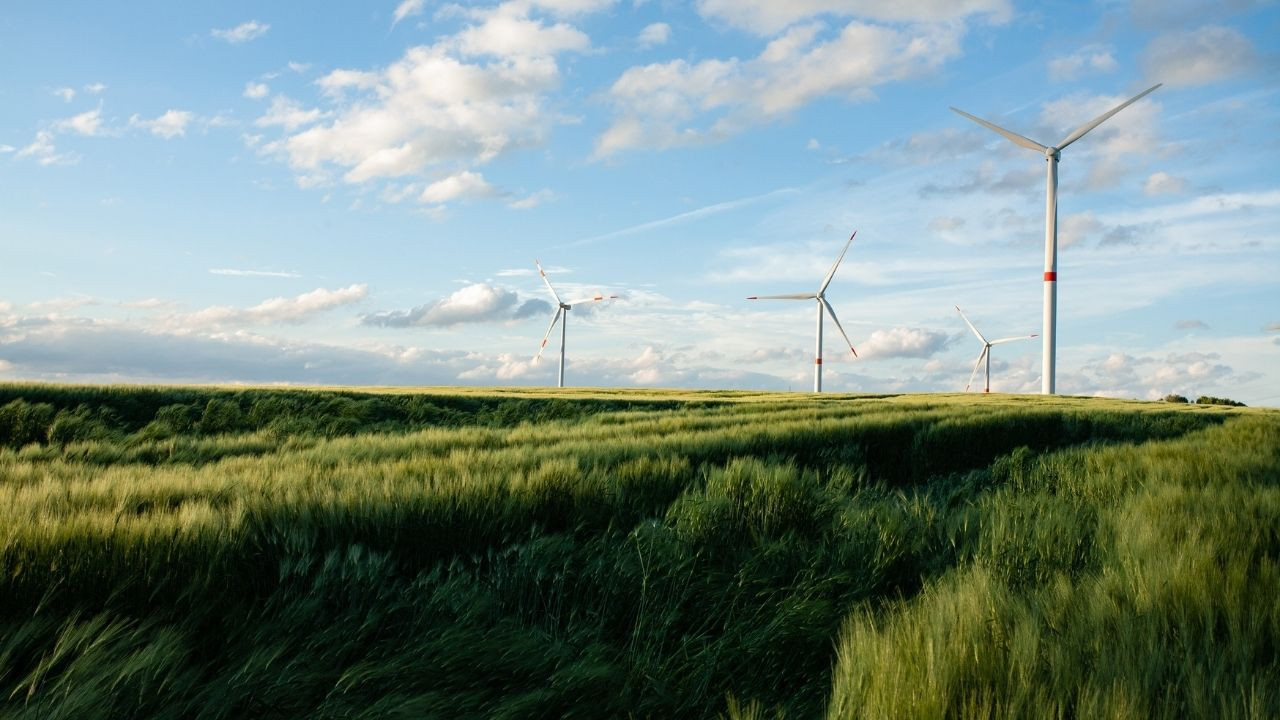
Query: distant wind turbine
{"x": 562, "y": 310}
{"x": 986, "y": 351}
{"x": 821, "y": 299}
{"x": 1051, "y": 154}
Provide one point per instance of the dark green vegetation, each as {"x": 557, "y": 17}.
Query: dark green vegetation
{"x": 194, "y": 553}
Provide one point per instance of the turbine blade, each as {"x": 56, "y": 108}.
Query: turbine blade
{"x": 1011, "y": 339}
{"x": 543, "y": 273}
{"x": 832, "y": 312}
{"x": 971, "y": 327}
{"x": 1012, "y": 136}
{"x": 552, "y": 326}
{"x": 1080, "y": 131}
{"x": 794, "y": 296}
{"x": 827, "y": 280}
{"x": 976, "y": 363}
{"x": 594, "y": 298}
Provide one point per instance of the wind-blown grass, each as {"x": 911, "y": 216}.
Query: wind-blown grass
{"x": 185, "y": 552}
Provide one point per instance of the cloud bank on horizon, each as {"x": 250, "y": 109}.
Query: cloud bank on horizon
{"x": 356, "y": 195}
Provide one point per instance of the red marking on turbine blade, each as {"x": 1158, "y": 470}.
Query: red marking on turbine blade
{"x": 1051, "y": 277}
{"x": 855, "y": 352}
{"x": 753, "y": 297}
{"x": 817, "y": 361}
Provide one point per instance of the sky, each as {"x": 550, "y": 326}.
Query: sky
{"x": 355, "y": 193}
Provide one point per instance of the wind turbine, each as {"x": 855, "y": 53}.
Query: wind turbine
{"x": 986, "y": 351}
{"x": 562, "y": 310}
{"x": 1051, "y": 154}
{"x": 822, "y": 305}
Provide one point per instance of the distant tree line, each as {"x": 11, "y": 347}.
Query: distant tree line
{"x": 1203, "y": 400}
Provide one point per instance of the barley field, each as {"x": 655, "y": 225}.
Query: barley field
{"x": 181, "y": 552}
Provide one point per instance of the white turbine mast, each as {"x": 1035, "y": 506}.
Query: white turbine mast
{"x": 1051, "y": 154}
{"x": 986, "y": 351}
{"x": 823, "y": 305}
{"x": 562, "y": 317}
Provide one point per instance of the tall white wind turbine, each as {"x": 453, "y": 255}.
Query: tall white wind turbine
{"x": 1051, "y": 154}
{"x": 562, "y": 312}
{"x": 986, "y": 351}
{"x": 822, "y": 303}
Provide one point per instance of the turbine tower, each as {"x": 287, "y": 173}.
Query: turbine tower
{"x": 562, "y": 310}
{"x": 1051, "y": 155}
{"x": 822, "y": 303}
{"x": 986, "y": 351}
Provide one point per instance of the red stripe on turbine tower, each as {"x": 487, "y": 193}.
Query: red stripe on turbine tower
{"x": 1051, "y": 277}
{"x": 817, "y": 361}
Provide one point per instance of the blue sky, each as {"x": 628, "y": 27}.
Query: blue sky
{"x": 355, "y": 193}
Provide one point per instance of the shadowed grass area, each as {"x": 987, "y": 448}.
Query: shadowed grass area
{"x": 189, "y": 552}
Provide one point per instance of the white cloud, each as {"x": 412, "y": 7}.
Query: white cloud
{"x": 654, "y": 34}
{"x": 173, "y": 123}
{"x": 458, "y": 186}
{"x": 1162, "y": 183}
{"x": 67, "y": 94}
{"x": 1089, "y": 59}
{"x": 902, "y": 342}
{"x": 256, "y": 91}
{"x": 1198, "y": 57}
{"x": 7, "y": 149}
{"x": 86, "y": 123}
{"x": 770, "y": 16}
{"x": 293, "y": 311}
{"x": 298, "y": 67}
{"x": 676, "y": 103}
{"x": 44, "y": 152}
{"x": 407, "y": 8}
{"x": 243, "y": 32}
{"x": 532, "y": 200}
{"x": 479, "y": 302}
{"x": 288, "y": 114}
{"x": 95, "y": 88}
{"x": 507, "y": 30}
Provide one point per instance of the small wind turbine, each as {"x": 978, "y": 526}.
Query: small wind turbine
{"x": 986, "y": 351}
{"x": 562, "y": 310}
{"x": 1050, "y": 321}
{"x": 821, "y": 299}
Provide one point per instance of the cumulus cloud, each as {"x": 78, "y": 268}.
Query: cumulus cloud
{"x": 95, "y": 88}
{"x": 1190, "y": 325}
{"x": 461, "y": 185}
{"x": 1198, "y": 57}
{"x": 256, "y": 90}
{"x": 946, "y": 224}
{"x": 479, "y": 302}
{"x": 1162, "y": 183}
{"x": 279, "y": 310}
{"x": 86, "y": 123}
{"x": 987, "y": 177}
{"x": 902, "y": 342}
{"x": 441, "y": 109}
{"x": 769, "y": 16}
{"x": 654, "y": 34}
{"x": 1086, "y": 60}
{"x": 1153, "y": 377}
{"x": 67, "y": 94}
{"x": 173, "y": 123}
{"x": 679, "y": 102}
{"x": 241, "y": 33}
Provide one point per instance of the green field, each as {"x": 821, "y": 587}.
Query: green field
{"x": 220, "y": 553}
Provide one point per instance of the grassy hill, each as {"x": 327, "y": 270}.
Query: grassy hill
{"x": 214, "y": 553}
